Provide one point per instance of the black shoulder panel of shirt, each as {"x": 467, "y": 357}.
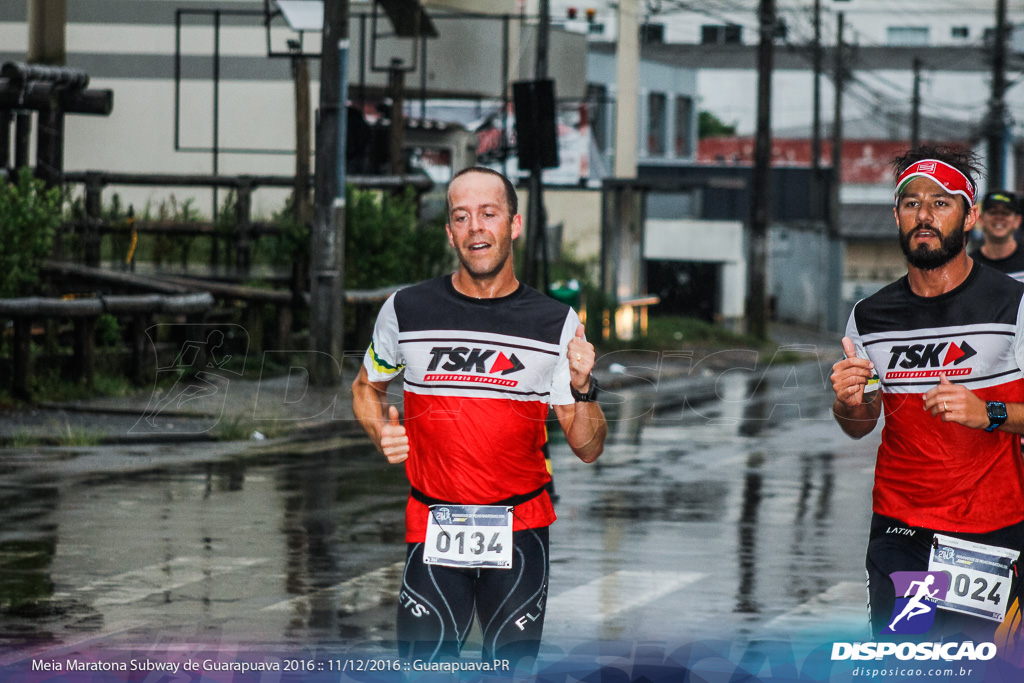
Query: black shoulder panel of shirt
{"x": 1014, "y": 263}
{"x": 986, "y": 296}
{"x": 436, "y": 305}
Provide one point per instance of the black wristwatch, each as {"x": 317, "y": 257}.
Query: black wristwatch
{"x": 996, "y": 415}
{"x": 588, "y": 397}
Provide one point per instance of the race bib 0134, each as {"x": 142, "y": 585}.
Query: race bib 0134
{"x": 469, "y": 536}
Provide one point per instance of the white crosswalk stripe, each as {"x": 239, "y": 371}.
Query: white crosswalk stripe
{"x": 139, "y": 584}
{"x": 844, "y": 604}
{"x": 355, "y": 595}
{"x": 617, "y": 592}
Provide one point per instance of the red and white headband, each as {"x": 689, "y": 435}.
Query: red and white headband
{"x": 947, "y": 177}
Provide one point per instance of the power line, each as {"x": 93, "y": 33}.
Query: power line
{"x": 871, "y": 96}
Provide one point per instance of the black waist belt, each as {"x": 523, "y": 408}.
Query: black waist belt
{"x": 511, "y": 500}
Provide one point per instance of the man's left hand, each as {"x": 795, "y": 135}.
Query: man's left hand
{"x": 581, "y": 361}
{"x": 956, "y": 403}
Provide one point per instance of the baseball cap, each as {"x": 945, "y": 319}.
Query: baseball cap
{"x": 1007, "y": 200}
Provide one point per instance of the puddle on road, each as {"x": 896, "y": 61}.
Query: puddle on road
{"x": 697, "y": 501}
{"x": 720, "y": 481}
{"x": 283, "y": 547}
{"x": 203, "y": 545}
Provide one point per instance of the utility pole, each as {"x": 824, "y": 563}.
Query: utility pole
{"x": 536, "y": 224}
{"x": 760, "y": 200}
{"x": 47, "y": 28}
{"x": 996, "y": 138}
{"x": 816, "y": 203}
{"x": 834, "y": 276}
{"x": 396, "y": 86}
{"x": 837, "y": 129}
{"x": 627, "y": 74}
{"x": 623, "y": 204}
{"x": 302, "y": 210}
{"x": 327, "y": 238}
{"x": 915, "y": 111}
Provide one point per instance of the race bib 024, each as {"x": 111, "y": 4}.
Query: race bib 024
{"x": 469, "y": 536}
{"x": 980, "y": 576}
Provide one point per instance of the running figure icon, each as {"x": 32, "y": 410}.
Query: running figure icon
{"x": 914, "y": 606}
{"x": 190, "y": 360}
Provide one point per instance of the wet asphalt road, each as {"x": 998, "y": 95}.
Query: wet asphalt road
{"x": 736, "y": 509}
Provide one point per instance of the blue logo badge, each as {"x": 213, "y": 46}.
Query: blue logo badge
{"x": 916, "y": 593}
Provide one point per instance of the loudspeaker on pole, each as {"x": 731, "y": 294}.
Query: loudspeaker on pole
{"x": 536, "y": 128}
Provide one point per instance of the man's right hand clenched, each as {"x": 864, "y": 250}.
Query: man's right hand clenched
{"x": 850, "y": 376}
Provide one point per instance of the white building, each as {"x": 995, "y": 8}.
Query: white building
{"x": 193, "y": 76}
{"x": 719, "y": 39}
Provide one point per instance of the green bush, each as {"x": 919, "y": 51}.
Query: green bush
{"x": 108, "y": 331}
{"x": 386, "y": 245}
{"x": 288, "y": 245}
{"x": 113, "y": 212}
{"x": 167, "y": 248}
{"x": 29, "y": 216}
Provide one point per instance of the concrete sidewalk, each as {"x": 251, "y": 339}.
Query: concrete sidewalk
{"x": 220, "y": 406}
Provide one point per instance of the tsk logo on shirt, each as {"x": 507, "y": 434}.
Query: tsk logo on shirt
{"x": 939, "y": 355}
{"x": 462, "y": 359}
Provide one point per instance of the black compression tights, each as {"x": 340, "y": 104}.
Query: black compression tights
{"x": 895, "y": 546}
{"x": 436, "y": 604}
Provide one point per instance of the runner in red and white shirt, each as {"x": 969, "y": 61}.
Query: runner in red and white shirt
{"x": 941, "y": 351}
{"x": 485, "y": 358}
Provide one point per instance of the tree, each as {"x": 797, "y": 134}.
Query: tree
{"x": 710, "y": 126}
{"x": 29, "y": 217}
{"x": 386, "y": 245}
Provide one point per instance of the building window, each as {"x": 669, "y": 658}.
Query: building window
{"x": 960, "y": 32}
{"x": 656, "y": 102}
{"x": 683, "y": 126}
{"x": 652, "y": 33}
{"x": 780, "y": 32}
{"x": 598, "y": 110}
{"x": 907, "y": 35}
{"x": 719, "y": 34}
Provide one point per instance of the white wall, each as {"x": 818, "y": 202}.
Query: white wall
{"x": 128, "y": 46}
{"x": 704, "y": 241}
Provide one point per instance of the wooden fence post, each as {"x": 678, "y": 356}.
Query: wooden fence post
{"x": 243, "y": 225}
{"x": 22, "y": 356}
{"x": 85, "y": 350}
{"x": 283, "y": 335}
{"x": 137, "y": 332}
{"x": 92, "y": 239}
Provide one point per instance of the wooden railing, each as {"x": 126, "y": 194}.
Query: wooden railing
{"x": 138, "y": 303}
{"x": 139, "y": 300}
{"x": 139, "y": 308}
{"x": 246, "y": 230}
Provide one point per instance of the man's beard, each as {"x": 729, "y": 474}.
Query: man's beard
{"x": 924, "y": 258}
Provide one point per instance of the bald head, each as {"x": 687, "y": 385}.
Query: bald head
{"x": 509, "y": 191}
